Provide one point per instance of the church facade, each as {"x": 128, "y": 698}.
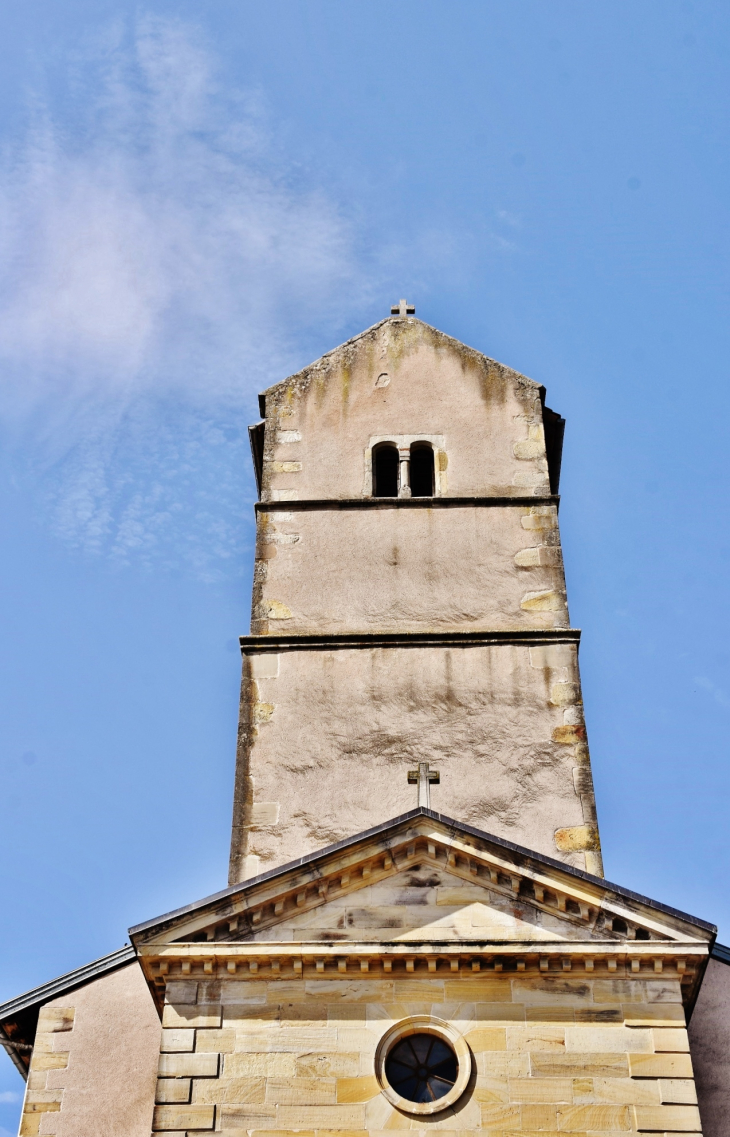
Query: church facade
{"x": 416, "y": 932}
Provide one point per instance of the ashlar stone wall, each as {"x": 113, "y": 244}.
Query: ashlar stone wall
{"x": 590, "y": 1054}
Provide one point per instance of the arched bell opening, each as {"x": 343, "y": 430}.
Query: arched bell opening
{"x": 385, "y": 470}
{"x": 422, "y": 469}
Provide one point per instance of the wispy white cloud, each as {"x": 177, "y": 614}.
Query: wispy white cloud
{"x": 160, "y": 263}
{"x": 717, "y": 693}
{"x": 8, "y": 1096}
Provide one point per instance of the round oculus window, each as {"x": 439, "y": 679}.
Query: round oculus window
{"x": 423, "y": 1065}
{"x": 421, "y": 1068}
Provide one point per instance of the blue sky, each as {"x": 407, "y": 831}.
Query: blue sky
{"x": 198, "y": 200}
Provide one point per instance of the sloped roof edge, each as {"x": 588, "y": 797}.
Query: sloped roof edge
{"x": 373, "y": 328}
{"x": 448, "y": 823}
{"x": 68, "y": 982}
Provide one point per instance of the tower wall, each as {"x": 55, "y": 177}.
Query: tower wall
{"x": 388, "y": 631}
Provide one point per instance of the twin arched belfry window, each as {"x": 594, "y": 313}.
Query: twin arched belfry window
{"x": 403, "y": 473}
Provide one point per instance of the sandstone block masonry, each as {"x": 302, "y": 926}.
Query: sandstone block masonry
{"x": 577, "y": 1053}
{"x": 392, "y": 630}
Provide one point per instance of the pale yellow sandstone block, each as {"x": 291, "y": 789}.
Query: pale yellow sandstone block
{"x": 183, "y": 1117}
{"x": 254, "y": 1065}
{"x": 43, "y": 1097}
{"x": 356, "y": 1039}
{"x": 190, "y": 1015}
{"x": 533, "y": 1091}
{"x": 357, "y": 1089}
{"x": 608, "y": 1039}
{"x": 321, "y": 1116}
{"x": 654, "y": 1014}
{"x": 251, "y": 1018}
{"x": 673, "y": 1040}
{"x": 181, "y": 991}
{"x": 603, "y": 1013}
{"x": 57, "y": 1060}
{"x": 502, "y": 1064}
{"x": 660, "y": 1065}
{"x": 538, "y": 1117}
{"x": 497, "y": 1013}
{"x": 611, "y": 1118}
{"x": 491, "y": 1089}
{"x": 54, "y": 1019}
{"x": 347, "y": 1014}
{"x": 357, "y": 990}
{"x": 536, "y": 1037}
{"x": 549, "y": 1013}
{"x": 680, "y": 1091}
{"x": 276, "y": 1132}
{"x": 238, "y": 1091}
{"x": 540, "y": 520}
{"x": 300, "y": 1091}
{"x": 339, "y": 1065}
{"x": 221, "y": 1041}
{"x": 307, "y": 1014}
{"x": 45, "y": 1043}
{"x": 576, "y": 838}
{"x": 188, "y": 1065}
{"x": 247, "y": 1117}
{"x": 30, "y": 1124}
{"x": 529, "y": 448}
{"x": 626, "y": 1091}
{"x": 547, "y": 1065}
{"x": 173, "y": 1090}
{"x": 290, "y": 1041}
{"x": 245, "y": 993}
{"x": 209, "y": 991}
{"x": 487, "y": 1038}
{"x": 617, "y": 991}
{"x": 663, "y": 990}
{"x": 573, "y": 992}
{"x": 380, "y": 1115}
{"x": 433, "y": 990}
{"x": 473, "y": 989}
{"x": 528, "y": 558}
{"x": 501, "y": 1117}
{"x": 177, "y": 1040}
{"x": 669, "y": 1118}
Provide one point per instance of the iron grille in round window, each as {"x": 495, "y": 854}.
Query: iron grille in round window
{"x": 422, "y": 1068}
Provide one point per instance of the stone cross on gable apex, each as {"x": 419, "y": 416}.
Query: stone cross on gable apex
{"x": 403, "y": 308}
{"x": 424, "y": 777}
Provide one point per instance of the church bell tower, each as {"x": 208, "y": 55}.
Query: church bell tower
{"x": 409, "y": 616}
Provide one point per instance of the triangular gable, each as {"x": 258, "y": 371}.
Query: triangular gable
{"x": 343, "y": 355}
{"x": 521, "y": 889}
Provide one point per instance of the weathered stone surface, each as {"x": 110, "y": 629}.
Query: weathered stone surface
{"x": 481, "y": 715}
{"x": 484, "y": 715}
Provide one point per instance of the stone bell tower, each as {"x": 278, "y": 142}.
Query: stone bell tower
{"x": 409, "y": 606}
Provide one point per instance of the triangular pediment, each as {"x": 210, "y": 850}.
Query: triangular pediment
{"x": 424, "y": 877}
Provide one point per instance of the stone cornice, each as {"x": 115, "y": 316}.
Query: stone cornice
{"x": 518, "y": 637}
{"x": 684, "y": 962}
{"x": 318, "y": 504}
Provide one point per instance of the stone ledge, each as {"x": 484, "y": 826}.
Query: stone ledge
{"x": 354, "y": 640}
{"x": 316, "y": 504}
